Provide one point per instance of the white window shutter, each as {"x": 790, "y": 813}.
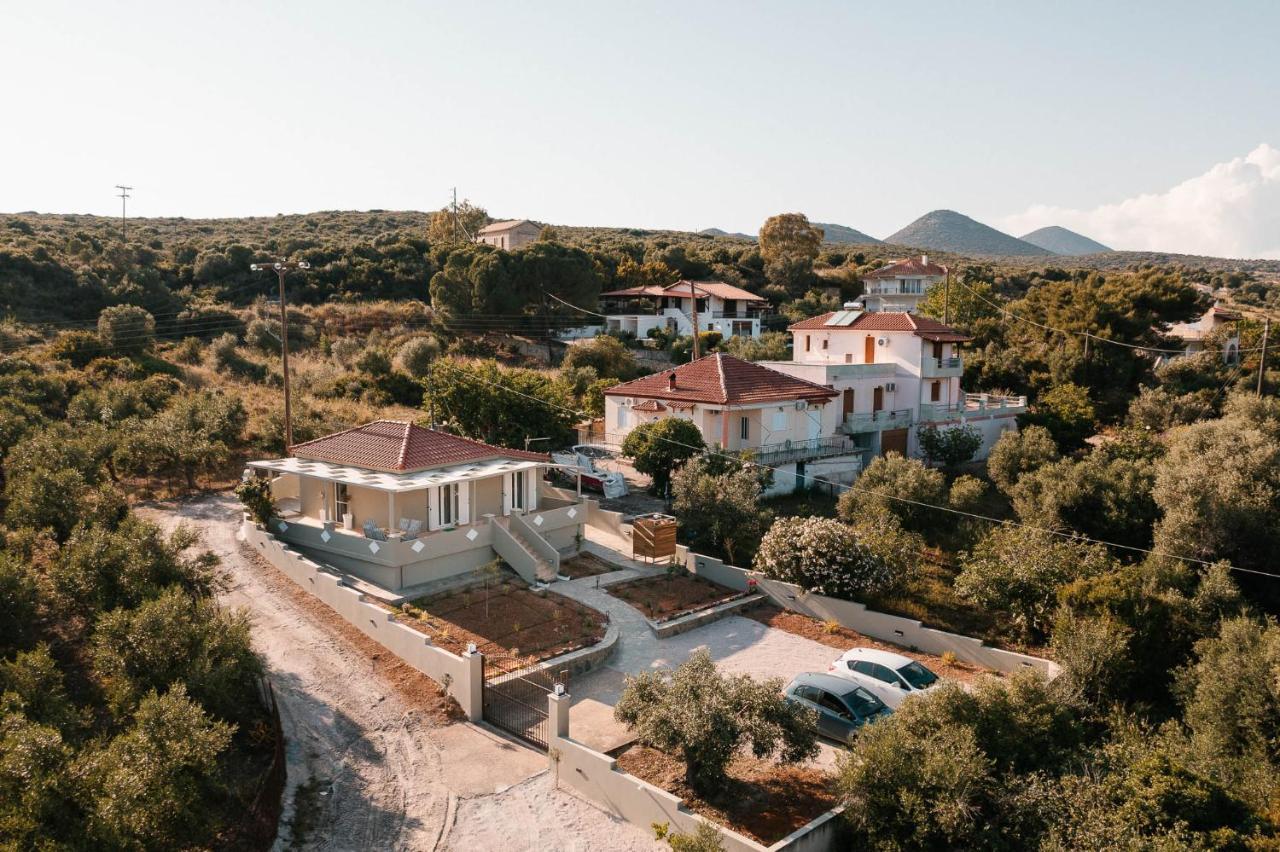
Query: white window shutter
{"x": 531, "y": 486}
{"x": 464, "y": 503}
{"x": 433, "y": 508}
{"x": 506, "y": 493}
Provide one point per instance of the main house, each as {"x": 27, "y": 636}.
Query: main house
{"x": 399, "y": 505}
{"x": 894, "y": 372}
{"x": 900, "y": 284}
{"x": 721, "y": 307}
{"x": 738, "y": 405}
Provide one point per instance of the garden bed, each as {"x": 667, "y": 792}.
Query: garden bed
{"x": 669, "y": 596}
{"x": 505, "y": 620}
{"x": 586, "y": 565}
{"x": 760, "y": 799}
{"x": 842, "y": 638}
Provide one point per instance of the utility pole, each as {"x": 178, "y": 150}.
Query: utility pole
{"x": 281, "y": 267}
{"x": 1262, "y": 361}
{"x": 124, "y": 199}
{"x": 946, "y": 299}
{"x": 693, "y": 291}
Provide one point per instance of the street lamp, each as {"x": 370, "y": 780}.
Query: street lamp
{"x": 280, "y": 267}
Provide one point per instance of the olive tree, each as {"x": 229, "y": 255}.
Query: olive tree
{"x": 719, "y": 509}
{"x": 822, "y": 555}
{"x": 706, "y": 717}
{"x": 1016, "y": 453}
{"x": 660, "y": 446}
{"x": 950, "y": 447}
{"x": 900, "y": 486}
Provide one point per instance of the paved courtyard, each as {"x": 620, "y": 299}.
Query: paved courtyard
{"x": 737, "y": 644}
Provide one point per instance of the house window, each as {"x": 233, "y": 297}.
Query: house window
{"x": 779, "y": 420}
{"x": 744, "y": 429}
{"x": 807, "y": 343}
{"x": 825, "y": 342}
{"x": 935, "y": 391}
{"x": 622, "y": 417}
{"x": 341, "y": 504}
{"x": 517, "y": 489}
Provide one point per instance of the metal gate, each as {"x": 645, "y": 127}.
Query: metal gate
{"x": 515, "y": 697}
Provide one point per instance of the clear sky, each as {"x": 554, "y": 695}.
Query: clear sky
{"x": 683, "y": 115}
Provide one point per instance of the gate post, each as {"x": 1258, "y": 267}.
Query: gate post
{"x": 471, "y": 694}
{"x": 558, "y": 713}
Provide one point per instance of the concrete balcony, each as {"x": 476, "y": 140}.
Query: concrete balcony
{"x": 826, "y": 372}
{"x": 941, "y": 368}
{"x": 974, "y": 405}
{"x": 814, "y": 448}
{"x": 875, "y": 421}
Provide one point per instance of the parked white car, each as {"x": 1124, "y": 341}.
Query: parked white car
{"x": 888, "y": 676}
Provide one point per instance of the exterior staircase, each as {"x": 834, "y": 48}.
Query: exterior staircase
{"x": 525, "y": 551}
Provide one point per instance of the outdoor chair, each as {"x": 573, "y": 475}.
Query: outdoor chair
{"x": 371, "y": 531}
{"x": 412, "y": 531}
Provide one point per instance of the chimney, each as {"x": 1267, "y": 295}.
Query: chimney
{"x": 924, "y": 259}
{"x": 671, "y": 380}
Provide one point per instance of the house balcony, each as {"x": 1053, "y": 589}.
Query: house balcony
{"x": 814, "y": 448}
{"x": 974, "y": 405}
{"x": 941, "y": 368}
{"x": 823, "y": 372}
{"x": 875, "y": 421}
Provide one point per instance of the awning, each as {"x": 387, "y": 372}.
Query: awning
{"x": 395, "y": 481}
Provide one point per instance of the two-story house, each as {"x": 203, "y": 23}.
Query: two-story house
{"x": 900, "y": 284}
{"x": 739, "y": 405}
{"x": 721, "y": 307}
{"x": 894, "y": 372}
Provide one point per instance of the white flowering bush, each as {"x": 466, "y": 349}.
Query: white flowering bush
{"x": 822, "y": 555}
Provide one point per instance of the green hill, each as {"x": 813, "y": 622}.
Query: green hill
{"x": 1061, "y": 241}
{"x": 947, "y": 230}
{"x": 844, "y": 235}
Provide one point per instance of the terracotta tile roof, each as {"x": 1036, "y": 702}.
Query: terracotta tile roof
{"x": 397, "y": 446}
{"x": 681, "y": 290}
{"x": 723, "y": 380}
{"x": 499, "y": 227}
{"x": 910, "y": 266}
{"x": 921, "y": 326}
{"x": 649, "y": 405}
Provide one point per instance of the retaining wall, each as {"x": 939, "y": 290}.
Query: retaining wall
{"x": 463, "y": 674}
{"x": 893, "y": 629}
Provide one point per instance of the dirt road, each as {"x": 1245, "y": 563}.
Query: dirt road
{"x": 372, "y": 764}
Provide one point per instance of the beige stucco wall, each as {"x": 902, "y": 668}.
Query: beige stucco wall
{"x": 488, "y": 498}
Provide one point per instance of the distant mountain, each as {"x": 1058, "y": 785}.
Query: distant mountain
{"x": 716, "y": 232}
{"x": 1061, "y": 241}
{"x": 947, "y": 230}
{"x": 844, "y": 235}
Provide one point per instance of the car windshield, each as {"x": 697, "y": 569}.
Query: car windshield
{"x": 862, "y": 702}
{"x": 917, "y": 675}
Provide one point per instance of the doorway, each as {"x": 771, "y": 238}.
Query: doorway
{"x": 869, "y": 350}
{"x": 877, "y": 399}
{"x": 846, "y": 402}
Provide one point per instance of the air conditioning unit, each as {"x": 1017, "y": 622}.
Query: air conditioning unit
{"x": 891, "y": 386}
{"x": 801, "y": 405}
{"x": 882, "y": 341}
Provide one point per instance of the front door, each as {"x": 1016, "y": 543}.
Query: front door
{"x": 869, "y": 350}
{"x": 846, "y": 402}
{"x": 877, "y": 399}
{"x": 937, "y": 350}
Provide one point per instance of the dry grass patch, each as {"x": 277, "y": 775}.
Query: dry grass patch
{"x": 669, "y": 596}
{"x": 761, "y": 799}
{"x": 586, "y": 565}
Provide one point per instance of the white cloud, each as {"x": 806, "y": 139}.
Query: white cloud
{"x": 1232, "y": 210}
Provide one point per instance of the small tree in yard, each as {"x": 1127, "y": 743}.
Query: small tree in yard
{"x": 705, "y": 717}
{"x": 661, "y": 446}
{"x": 720, "y": 509}
{"x": 255, "y": 494}
{"x": 950, "y": 447}
{"x": 822, "y": 555}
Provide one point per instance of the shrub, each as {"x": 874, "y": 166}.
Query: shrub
{"x": 416, "y": 354}
{"x": 189, "y": 351}
{"x": 895, "y": 484}
{"x": 227, "y": 359}
{"x": 127, "y": 329}
{"x": 720, "y": 511}
{"x": 660, "y": 446}
{"x": 606, "y": 355}
{"x": 822, "y": 555}
{"x": 949, "y": 447}
{"x": 1016, "y": 453}
{"x": 77, "y": 348}
{"x": 1067, "y": 412}
{"x": 255, "y": 494}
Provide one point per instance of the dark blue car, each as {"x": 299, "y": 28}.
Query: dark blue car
{"x": 842, "y": 707}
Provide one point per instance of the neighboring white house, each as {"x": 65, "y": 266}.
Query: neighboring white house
{"x": 509, "y": 235}
{"x": 900, "y": 284}
{"x": 893, "y": 372}
{"x": 739, "y": 405}
{"x": 399, "y": 505}
{"x": 722, "y": 307}
{"x": 1194, "y": 334}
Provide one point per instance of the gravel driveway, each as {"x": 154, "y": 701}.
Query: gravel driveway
{"x": 386, "y": 771}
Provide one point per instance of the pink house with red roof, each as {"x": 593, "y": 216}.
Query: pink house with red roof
{"x": 400, "y": 505}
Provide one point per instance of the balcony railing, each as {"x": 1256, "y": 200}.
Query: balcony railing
{"x": 936, "y": 368}
{"x": 975, "y": 404}
{"x": 896, "y": 418}
{"x": 813, "y": 448}
{"x": 736, "y": 314}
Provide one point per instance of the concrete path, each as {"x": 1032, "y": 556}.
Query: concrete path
{"x": 737, "y": 644}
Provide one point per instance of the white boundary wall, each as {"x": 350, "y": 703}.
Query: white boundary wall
{"x": 464, "y": 674}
